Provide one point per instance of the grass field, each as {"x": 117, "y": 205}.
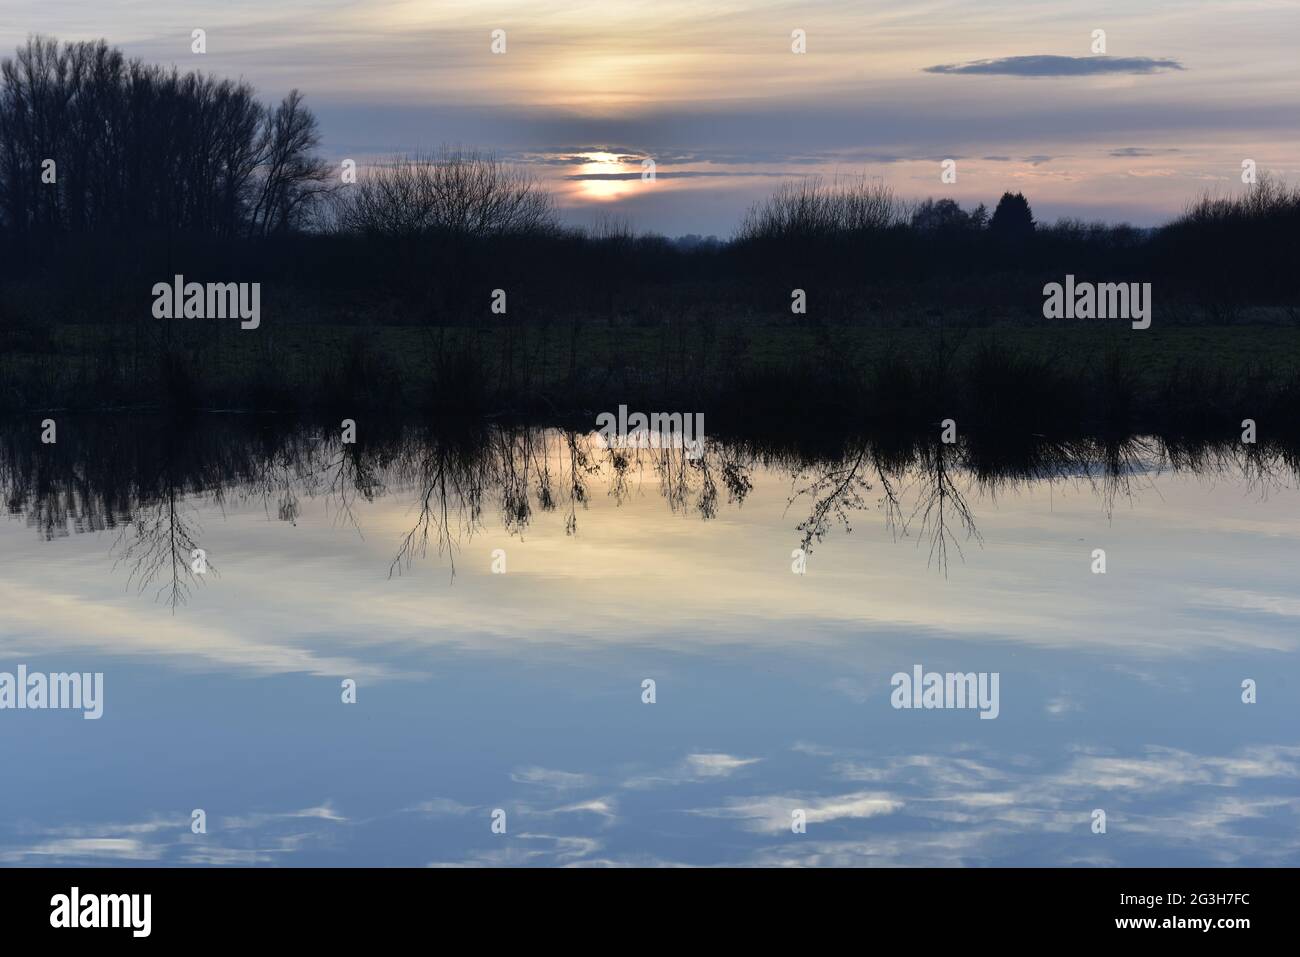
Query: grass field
{"x": 574, "y": 366}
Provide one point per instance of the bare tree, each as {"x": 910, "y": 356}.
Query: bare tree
{"x": 291, "y": 175}
{"x": 454, "y": 191}
{"x": 811, "y": 208}
{"x": 137, "y": 147}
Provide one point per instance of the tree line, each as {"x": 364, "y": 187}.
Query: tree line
{"x": 91, "y": 141}
{"x": 198, "y": 173}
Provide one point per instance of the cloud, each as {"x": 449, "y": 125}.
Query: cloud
{"x": 674, "y": 174}
{"x": 603, "y": 807}
{"x": 1035, "y": 159}
{"x": 64, "y": 619}
{"x": 217, "y": 856}
{"x": 1048, "y": 65}
{"x": 949, "y": 810}
{"x": 1239, "y": 599}
{"x": 963, "y": 808}
{"x": 547, "y": 778}
{"x": 86, "y": 849}
{"x": 264, "y": 838}
{"x": 1164, "y": 768}
{"x": 695, "y": 767}
{"x": 773, "y": 814}
{"x": 715, "y": 765}
{"x": 1060, "y": 705}
{"x": 1134, "y": 151}
{"x": 441, "y": 807}
{"x": 543, "y": 850}
{"x": 322, "y": 812}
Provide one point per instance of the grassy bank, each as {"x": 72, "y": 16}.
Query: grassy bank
{"x": 1044, "y": 378}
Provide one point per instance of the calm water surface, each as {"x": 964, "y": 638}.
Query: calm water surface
{"x": 523, "y": 690}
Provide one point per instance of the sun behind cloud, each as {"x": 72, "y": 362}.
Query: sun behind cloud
{"x": 603, "y": 190}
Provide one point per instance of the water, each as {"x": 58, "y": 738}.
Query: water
{"x": 523, "y": 691}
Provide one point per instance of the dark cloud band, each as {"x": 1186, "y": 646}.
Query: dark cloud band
{"x": 1058, "y": 66}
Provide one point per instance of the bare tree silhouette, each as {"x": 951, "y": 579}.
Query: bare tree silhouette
{"x": 160, "y": 544}
{"x": 151, "y": 491}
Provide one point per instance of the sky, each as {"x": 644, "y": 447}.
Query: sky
{"x": 523, "y": 690}
{"x": 585, "y": 92}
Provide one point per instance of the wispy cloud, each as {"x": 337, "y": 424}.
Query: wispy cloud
{"x": 774, "y": 814}
{"x": 84, "y": 849}
{"x": 959, "y": 808}
{"x": 1061, "y": 704}
{"x": 1171, "y": 799}
{"x": 695, "y": 767}
{"x": 548, "y": 778}
{"x": 438, "y": 807}
{"x": 673, "y": 174}
{"x": 716, "y": 765}
{"x": 264, "y": 838}
{"x": 1135, "y": 151}
{"x": 602, "y": 807}
{"x": 531, "y": 850}
{"x": 1244, "y": 600}
{"x": 1049, "y": 65}
{"x": 322, "y": 812}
